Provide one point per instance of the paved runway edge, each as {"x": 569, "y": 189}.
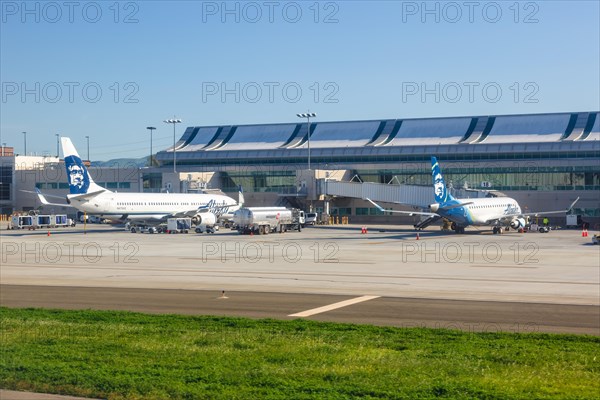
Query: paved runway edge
{"x": 475, "y": 316}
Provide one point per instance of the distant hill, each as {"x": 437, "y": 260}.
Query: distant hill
{"x": 122, "y": 162}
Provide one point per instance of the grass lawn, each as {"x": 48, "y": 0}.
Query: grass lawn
{"x": 120, "y": 355}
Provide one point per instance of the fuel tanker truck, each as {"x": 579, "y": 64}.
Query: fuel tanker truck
{"x": 265, "y": 220}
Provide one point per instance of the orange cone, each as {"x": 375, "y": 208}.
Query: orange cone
{"x": 417, "y": 235}
{"x": 48, "y": 233}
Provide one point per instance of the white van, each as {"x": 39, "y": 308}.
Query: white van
{"x": 310, "y": 218}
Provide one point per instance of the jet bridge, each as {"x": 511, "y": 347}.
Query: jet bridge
{"x": 378, "y": 192}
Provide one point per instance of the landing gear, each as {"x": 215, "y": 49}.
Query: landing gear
{"x": 497, "y": 230}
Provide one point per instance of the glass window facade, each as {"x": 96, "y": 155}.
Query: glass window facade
{"x": 275, "y": 181}
{"x": 505, "y": 178}
{"x": 5, "y": 182}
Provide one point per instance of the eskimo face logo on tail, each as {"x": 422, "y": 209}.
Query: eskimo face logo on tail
{"x": 439, "y": 186}
{"x": 79, "y": 180}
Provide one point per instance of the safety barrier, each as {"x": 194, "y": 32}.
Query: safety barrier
{"x": 338, "y": 221}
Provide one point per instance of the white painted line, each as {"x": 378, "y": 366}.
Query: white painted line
{"x": 333, "y": 306}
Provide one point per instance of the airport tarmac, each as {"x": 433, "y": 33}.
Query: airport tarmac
{"x": 320, "y": 266}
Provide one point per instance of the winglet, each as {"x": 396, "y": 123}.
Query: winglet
{"x": 241, "y": 196}
{"x": 375, "y": 204}
{"x": 572, "y": 204}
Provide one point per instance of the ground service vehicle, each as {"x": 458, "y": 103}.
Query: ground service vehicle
{"x": 23, "y": 222}
{"x": 179, "y": 225}
{"x": 265, "y": 220}
{"x": 310, "y": 219}
{"x": 60, "y": 220}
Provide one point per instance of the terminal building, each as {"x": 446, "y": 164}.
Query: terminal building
{"x": 544, "y": 161}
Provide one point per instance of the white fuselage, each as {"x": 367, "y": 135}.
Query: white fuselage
{"x": 482, "y": 211}
{"x": 150, "y": 206}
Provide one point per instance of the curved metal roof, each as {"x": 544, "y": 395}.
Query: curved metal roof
{"x": 483, "y": 135}
{"x": 528, "y": 128}
{"x": 432, "y": 131}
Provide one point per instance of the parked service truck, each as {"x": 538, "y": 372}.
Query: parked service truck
{"x": 265, "y": 220}
{"x": 179, "y": 225}
{"x": 44, "y": 221}
{"x": 23, "y": 222}
{"x": 60, "y": 220}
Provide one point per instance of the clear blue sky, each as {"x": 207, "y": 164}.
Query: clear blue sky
{"x": 351, "y": 60}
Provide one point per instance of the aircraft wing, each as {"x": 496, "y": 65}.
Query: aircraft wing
{"x": 430, "y": 214}
{"x": 182, "y": 214}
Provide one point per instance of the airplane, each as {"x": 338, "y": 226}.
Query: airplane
{"x": 499, "y": 212}
{"x": 139, "y": 209}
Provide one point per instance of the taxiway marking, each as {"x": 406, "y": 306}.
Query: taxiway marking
{"x": 333, "y": 306}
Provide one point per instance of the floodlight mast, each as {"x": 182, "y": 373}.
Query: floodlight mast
{"x": 173, "y": 121}
{"x": 308, "y": 116}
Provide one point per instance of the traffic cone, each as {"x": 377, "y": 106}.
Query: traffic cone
{"x": 417, "y": 235}
{"x": 584, "y": 233}
{"x": 48, "y": 233}
{"x": 366, "y": 230}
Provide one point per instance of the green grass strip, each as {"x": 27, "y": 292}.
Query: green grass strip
{"x": 123, "y": 355}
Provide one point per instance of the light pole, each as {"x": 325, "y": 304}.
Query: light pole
{"x": 88, "y": 149}
{"x": 308, "y": 115}
{"x": 57, "y": 141}
{"x": 173, "y": 121}
{"x": 151, "y": 129}
{"x": 25, "y": 142}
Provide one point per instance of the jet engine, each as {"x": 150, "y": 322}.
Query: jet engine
{"x": 207, "y": 218}
{"x": 517, "y": 223}
{"x": 434, "y": 207}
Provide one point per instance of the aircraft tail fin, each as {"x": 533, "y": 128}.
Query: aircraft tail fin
{"x": 80, "y": 180}
{"x": 440, "y": 191}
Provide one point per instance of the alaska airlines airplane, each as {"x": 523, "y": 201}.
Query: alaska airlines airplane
{"x": 137, "y": 208}
{"x": 497, "y": 211}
